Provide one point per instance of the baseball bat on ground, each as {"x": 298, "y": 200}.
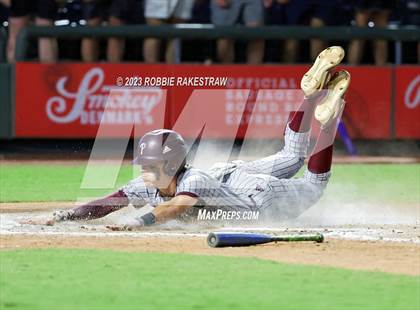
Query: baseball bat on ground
{"x": 226, "y": 239}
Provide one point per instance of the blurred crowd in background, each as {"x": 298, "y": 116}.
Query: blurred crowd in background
{"x": 14, "y": 15}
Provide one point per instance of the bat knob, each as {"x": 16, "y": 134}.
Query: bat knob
{"x": 212, "y": 240}
{"x": 319, "y": 238}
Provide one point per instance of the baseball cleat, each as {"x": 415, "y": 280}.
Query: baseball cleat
{"x": 318, "y": 75}
{"x": 333, "y": 103}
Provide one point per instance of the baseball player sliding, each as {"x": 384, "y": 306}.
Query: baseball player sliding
{"x": 264, "y": 185}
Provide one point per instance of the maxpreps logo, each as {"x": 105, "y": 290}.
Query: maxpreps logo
{"x": 95, "y": 103}
{"x": 217, "y": 215}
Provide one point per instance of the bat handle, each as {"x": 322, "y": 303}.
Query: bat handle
{"x": 316, "y": 238}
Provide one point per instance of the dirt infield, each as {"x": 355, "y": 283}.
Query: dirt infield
{"x": 19, "y": 207}
{"x": 398, "y": 258}
{"x": 354, "y": 247}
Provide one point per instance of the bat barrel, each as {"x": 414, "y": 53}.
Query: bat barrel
{"x": 225, "y": 239}
{"x": 232, "y": 239}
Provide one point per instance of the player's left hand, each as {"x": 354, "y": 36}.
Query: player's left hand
{"x": 63, "y": 215}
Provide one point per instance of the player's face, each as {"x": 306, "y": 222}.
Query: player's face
{"x": 150, "y": 174}
{"x": 154, "y": 176}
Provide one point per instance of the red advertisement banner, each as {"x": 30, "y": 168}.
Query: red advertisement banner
{"x": 407, "y": 103}
{"x": 69, "y": 100}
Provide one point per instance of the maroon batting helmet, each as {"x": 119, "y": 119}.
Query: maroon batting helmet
{"x": 162, "y": 146}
